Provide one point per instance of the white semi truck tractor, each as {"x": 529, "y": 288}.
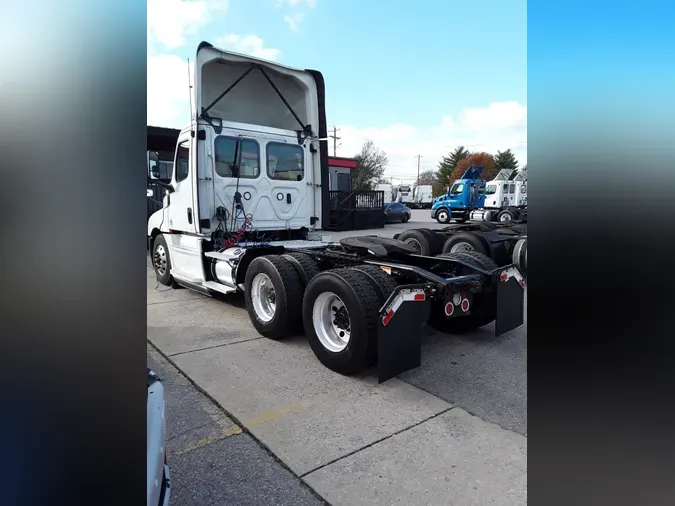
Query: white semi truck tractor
{"x": 247, "y": 198}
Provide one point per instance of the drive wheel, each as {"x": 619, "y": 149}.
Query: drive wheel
{"x": 273, "y": 293}
{"x": 422, "y": 240}
{"x": 464, "y": 241}
{"x": 340, "y": 312}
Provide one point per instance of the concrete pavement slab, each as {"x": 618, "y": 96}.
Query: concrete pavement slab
{"x": 305, "y": 413}
{"x": 212, "y": 462}
{"x": 454, "y": 458}
{"x": 187, "y": 325}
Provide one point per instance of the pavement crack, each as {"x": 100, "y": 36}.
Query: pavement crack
{"x": 171, "y": 301}
{"x": 214, "y": 346}
{"x": 378, "y": 441}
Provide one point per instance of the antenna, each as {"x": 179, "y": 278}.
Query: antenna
{"x": 189, "y": 89}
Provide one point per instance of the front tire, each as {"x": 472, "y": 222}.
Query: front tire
{"x": 161, "y": 261}
{"x": 273, "y": 293}
{"x": 340, "y": 311}
{"x": 443, "y": 216}
{"x": 506, "y": 215}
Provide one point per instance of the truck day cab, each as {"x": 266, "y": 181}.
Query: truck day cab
{"x": 470, "y": 197}
{"x": 246, "y": 198}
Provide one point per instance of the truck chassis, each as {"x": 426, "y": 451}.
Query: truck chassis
{"x": 504, "y": 243}
{"x": 360, "y": 302}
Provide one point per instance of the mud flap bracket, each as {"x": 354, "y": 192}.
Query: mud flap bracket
{"x": 399, "y": 331}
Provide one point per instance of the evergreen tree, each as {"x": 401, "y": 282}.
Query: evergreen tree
{"x": 449, "y": 163}
{"x": 505, "y": 160}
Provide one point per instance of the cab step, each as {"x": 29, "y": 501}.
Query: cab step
{"x": 218, "y": 287}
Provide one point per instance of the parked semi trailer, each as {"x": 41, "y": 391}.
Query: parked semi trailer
{"x": 422, "y": 197}
{"x": 244, "y": 209}
{"x": 471, "y": 197}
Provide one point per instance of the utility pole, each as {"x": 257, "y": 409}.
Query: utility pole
{"x": 335, "y": 139}
{"x": 419, "y": 157}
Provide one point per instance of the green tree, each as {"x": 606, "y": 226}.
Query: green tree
{"x": 449, "y": 163}
{"x": 505, "y": 160}
{"x": 370, "y": 164}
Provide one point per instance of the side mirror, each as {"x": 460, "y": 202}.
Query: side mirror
{"x": 166, "y": 186}
{"x": 154, "y": 171}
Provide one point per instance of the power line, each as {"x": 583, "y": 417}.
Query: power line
{"x": 484, "y": 144}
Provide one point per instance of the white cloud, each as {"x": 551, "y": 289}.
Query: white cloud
{"x": 499, "y": 126}
{"x": 294, "y": 21}
{"x": 248, "y": 44}
{"x": 168, "y": 91}
{"x": 170, "y": 22}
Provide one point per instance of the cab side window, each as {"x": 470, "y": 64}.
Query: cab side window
{"x": 182, "y": 161}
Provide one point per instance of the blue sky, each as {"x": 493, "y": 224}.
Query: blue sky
{"x": 390, "y": 63}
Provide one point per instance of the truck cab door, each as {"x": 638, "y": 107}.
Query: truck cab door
{"x": 182, "y": 215}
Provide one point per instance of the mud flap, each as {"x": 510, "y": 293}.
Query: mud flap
{"x": 399, "y": 331}
{"x": 510, "y": 286}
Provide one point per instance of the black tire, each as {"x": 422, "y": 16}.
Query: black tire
{"x": 306, "y": 266}
{"x": 288, "y": 293}
{"x": 506, "y": 215}
{"x": 161, "y": 262}
{"x": 465, "y": 240}
{"x": 483, "y": 309}
{"x": 473, "y": 258}
{"x": 444, "y": 214}
{"x": 422, "y": 239}
{"x": 355, "y": 290}
{"x": 383, "y": 283}
{"x": 519, "y": 256}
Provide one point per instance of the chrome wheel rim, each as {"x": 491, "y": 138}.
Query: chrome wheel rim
{"x": 160, "y": 260}
{"x": 263, "y": 297}
{"x": 505, "y": 217}
{"x": 442, "y": 216}
{"x": 461, "y": 246}
{"x": 415, "y": 244}
{"x": 331, "y": 322}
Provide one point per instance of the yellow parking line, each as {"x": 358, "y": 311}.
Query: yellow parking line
{"x": 275, "y": 414}
{"x": 232, "y": 430}
{"x": 264, "y": 417}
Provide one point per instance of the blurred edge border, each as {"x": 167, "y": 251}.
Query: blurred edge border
{"x": 73, "y": 119}
{"x": 72, "y": 151}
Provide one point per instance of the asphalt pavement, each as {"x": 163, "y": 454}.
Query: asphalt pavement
{"x": 275, "y": 422}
